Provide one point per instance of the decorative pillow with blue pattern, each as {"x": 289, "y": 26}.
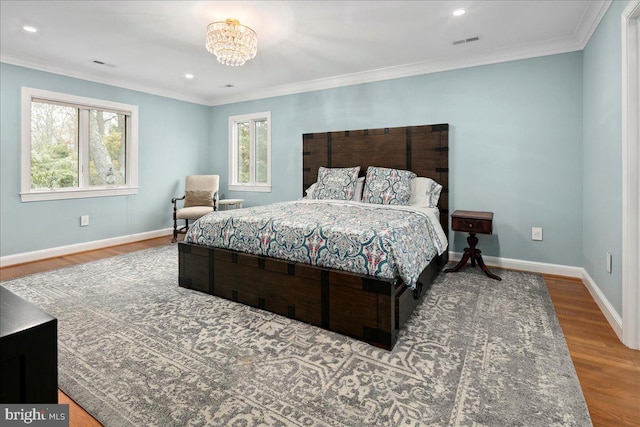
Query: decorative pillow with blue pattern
{"x": 336, "y": 183}
{"x": 384, "y": 186}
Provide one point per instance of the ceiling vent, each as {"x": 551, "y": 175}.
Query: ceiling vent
{"x": 469, "y": 40}
{"x": 98, "y": 62}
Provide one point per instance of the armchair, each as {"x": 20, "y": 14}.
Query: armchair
{"x": 200, "y": 198}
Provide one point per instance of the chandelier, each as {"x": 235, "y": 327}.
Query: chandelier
{"x": 232, "y": 43}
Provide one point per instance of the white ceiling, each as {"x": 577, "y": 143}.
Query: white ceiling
{"x": 302, "y": 45}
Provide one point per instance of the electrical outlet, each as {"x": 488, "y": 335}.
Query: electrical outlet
{"x": 84, "y": 220}
{"x": 609, "y": 260}
{"x": 536, "y": 233}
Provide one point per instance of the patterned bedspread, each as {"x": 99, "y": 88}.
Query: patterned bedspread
{"x": 377, "y": 240}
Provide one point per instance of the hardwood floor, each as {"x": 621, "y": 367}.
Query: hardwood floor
{"x": 609, "y": 372}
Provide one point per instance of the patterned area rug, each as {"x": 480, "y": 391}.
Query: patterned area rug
{"x": 135, "y": 349}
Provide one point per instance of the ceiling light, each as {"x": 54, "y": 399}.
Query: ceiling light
{"x": 459, "y": 12}
{"x": 231, "y": 43}
{"x": 30, "y": 29}
{"x": 189, "y": 76}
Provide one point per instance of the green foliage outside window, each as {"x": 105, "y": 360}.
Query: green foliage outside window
{"x": 54, "y": 167}
{"x": 106, "y": 148}
{"x": 261, "y": 151}
{"x": 244, "y": 153}
{"x": 54, "y": 147}
{"x": 260, "y": 132}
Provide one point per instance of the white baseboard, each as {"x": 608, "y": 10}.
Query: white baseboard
{"x": 603, "y": 303}
{"x": 8, "y": 260}
{"x": 531, "y": 266}
{"x": 605, "y": 306}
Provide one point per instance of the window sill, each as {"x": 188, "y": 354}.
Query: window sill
{"x": 252, "y": 188}
{"x": 44, "y": 195}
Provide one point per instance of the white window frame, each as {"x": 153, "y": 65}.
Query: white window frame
{"x": 234, "y": 185}
{"x": 83, "y": 190}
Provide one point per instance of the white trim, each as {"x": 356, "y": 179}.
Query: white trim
{"x": 22, "y": 258}
{"x": 74, "y": 100}
{"x": 603, "y": 303}
{"x": 233, "y": 152}
{"x": 62, "y": 194}
{"x": 28, "y": 95}
{"x": 589, "y": 22}
{"x": 559, "y": 270}
{"x": 530, "y": 266}
{"x": 396, "y": 72}
{"x": 631, "y": 175}
{"x": 252, "y": 188}
{"x": 20, "y": 60}
{"x": 594, "y": 15}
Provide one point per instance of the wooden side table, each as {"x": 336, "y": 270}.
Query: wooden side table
{"x": 472, "y": 222}
{"x": 225, "y": 204}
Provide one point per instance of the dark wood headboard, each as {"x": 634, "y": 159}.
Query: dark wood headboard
{"x": 421, "y": 149}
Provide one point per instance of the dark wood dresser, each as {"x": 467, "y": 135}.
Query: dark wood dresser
{"x": 28, "y": 352}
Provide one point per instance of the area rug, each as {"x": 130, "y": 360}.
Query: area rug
{"x": 137, "y": 350}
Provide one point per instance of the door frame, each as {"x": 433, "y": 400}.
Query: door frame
{"x": 631, "y": 175}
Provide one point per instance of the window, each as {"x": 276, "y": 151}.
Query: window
{"x": 250, "y": 152}
{"x": 74, "y": 147}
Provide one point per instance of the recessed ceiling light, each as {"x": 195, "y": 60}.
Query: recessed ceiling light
{"x": 459, "y": 12}
{"x": 189, "y": 76}
{"x": 30, "y": 29}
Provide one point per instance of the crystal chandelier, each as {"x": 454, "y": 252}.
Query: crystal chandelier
{"x": 232, "y": 43}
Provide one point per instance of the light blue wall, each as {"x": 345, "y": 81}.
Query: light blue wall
{"x": 602, "y": 206}
{"x": 515, "y": 144}
{"x": 173, "y": 142}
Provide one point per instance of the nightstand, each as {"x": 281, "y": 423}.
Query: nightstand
{"x": 472, "y": 222}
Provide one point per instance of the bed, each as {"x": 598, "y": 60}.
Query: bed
{"x": 354, "y": 303}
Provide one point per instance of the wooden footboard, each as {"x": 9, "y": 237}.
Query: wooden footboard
{"x": 372, "y": 310}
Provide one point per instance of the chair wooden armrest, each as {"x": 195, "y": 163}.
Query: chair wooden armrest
{"x": 175, "y": 199}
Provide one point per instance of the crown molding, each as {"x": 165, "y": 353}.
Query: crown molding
{"x": 19, "y": 60}
{"x": 590, "y": 21}
{"x": 403, "y": 71}
{"x": 582, "y": 34}
{"x": 584, "y": 30}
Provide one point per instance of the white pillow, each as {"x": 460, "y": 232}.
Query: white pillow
{"x": 309, "y": 193}
{"x": 425, "y": 192}
{"x": 357, "y": 196}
